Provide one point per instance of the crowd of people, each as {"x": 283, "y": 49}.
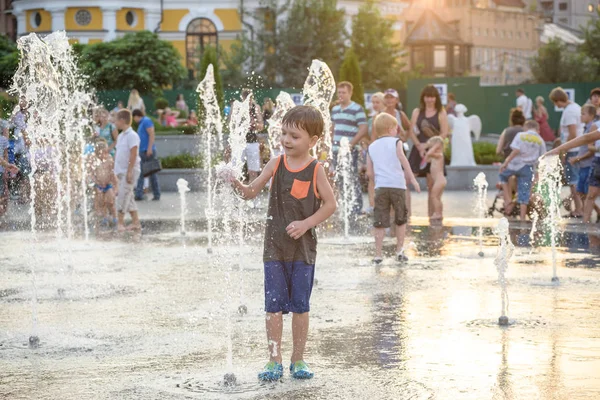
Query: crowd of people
{"x": 114, "y": 158}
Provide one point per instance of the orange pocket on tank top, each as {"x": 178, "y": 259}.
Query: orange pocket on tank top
{"x": 300, "y": 189}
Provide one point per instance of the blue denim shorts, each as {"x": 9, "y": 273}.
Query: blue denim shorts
{"x": 288, "y": 286}
{"x": 571, "y": 172}
{"x": 583, "y": 182}
{"x": 595, "y": 173}
{"x": 524, "y": 179}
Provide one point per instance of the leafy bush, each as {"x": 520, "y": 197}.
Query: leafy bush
{"x": 188, "y": 129}
{"x": 7, "y": 104}
{"x": 485, "y": 153}
{"x": 184, "y": 160}
{"x": 161, "y": 103}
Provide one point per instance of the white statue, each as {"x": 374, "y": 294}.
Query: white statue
{"x": 461, "y": 128}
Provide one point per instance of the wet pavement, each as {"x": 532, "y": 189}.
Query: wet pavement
{"x": 121, "y": 320}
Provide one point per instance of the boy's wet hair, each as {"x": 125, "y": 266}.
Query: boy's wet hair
{"x": 307, "y": 118}
{"x": 532, "y": 125}
{"x": 435, "y": 140}
{"x": 383, "y": 123}
{"x": 99, "y": 145}
{"x": 589, "y": 109}
{"x": 124, "y": 115}
{"x": 137, "y": 113}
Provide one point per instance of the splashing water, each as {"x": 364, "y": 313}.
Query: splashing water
{"x": 182, "y": 188}
{"x": 47, "y": 79}
{"x": 505, "y": 251}
{"x": 344, "y": 167}
{"x": 480, "y": 207}
{"x": 48, "y": 84}
{"x": 550, "y": 182}
{"x": 212, "y": 123}
{"x": 284, "y": 103}
{"x": 318, "y": 92}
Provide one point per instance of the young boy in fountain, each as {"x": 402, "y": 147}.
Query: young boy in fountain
{"x": 435, "y": 156}
{"x": 388, "y": 167}
{"x": 526, "y": 147}
{"x": 301, "y": 198}
{"x": 105, "y": 183}
{"x": 127, "y": 169}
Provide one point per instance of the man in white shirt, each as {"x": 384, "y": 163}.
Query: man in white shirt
{"x": 127, "y": 170}
{"x": 524, "y": 103}
{"x": 571, "y": 128}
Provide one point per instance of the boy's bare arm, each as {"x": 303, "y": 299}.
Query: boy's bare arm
{"x": 513, "y": 154}
{"x": 408, "y": 174}
{"x": 132, "y": 158}
{"x": 577, "y": 142}
{"x": 252, "y": 190}
{"x": 328, "y": 205}
{"x": 370, "y": 169}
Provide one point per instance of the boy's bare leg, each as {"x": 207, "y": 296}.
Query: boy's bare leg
{"x": 400, "y": 234}
{"x": 436, "y": 195}
{"x": 121, "y": 221}
{"x": 299, "y": 334}
{"x": 110, "y": 203}
{"x": 590, "y": 203}
{"x": 577, "y": 200}
{"x": 135, "y": 220}
{"x": 523, "y": 212}
{"x": 507, "y": 198}
{"x": 379, "y": 234}
{"x": 274, "y": 324}
{"x": 430, "y": 208}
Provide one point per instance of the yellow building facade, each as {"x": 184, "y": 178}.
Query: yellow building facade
{"x": 188, "y": 25}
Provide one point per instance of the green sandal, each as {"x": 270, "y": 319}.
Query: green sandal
{"x": 273, "y": 371}
{"x": 300, "y": 370}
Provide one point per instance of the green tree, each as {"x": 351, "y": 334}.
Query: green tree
{"x": 379, "y": 55}
{"x": 591, "y": 36}
{"x": 554, "y": 63}
{"x": 350, "y": 71}
{"x": 137, "y": 60}
{"x": 210, "y": 57}
{"x": 314, "y": 29}
{"x": 9, "y": 61}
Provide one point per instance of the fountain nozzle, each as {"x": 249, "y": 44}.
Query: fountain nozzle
{"x": 503, "y": 320}
{"x": 229, "y": 379}
{"x": 34, "y": 342}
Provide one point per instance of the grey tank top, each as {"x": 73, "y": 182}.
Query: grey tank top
{"x": 293, "y": 198}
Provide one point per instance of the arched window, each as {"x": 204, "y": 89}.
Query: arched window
{"x": 200, "y": 33}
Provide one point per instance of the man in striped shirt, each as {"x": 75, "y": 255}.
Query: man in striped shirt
{"x": 349, "y": 120}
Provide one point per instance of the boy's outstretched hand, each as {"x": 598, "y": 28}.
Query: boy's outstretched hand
{"x": 553, "y": 152}
{"x": 296, "y": 229}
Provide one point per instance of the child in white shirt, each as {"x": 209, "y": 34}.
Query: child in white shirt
{"x": 127, "y": 170}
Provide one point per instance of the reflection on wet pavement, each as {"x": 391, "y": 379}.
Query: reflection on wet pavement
{"x": 118, "y": 320}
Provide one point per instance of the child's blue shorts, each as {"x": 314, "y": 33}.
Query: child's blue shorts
{"x": 524, "y": 179}
{"x": 288, "y": 286}
{"x": 583, "y": 183}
